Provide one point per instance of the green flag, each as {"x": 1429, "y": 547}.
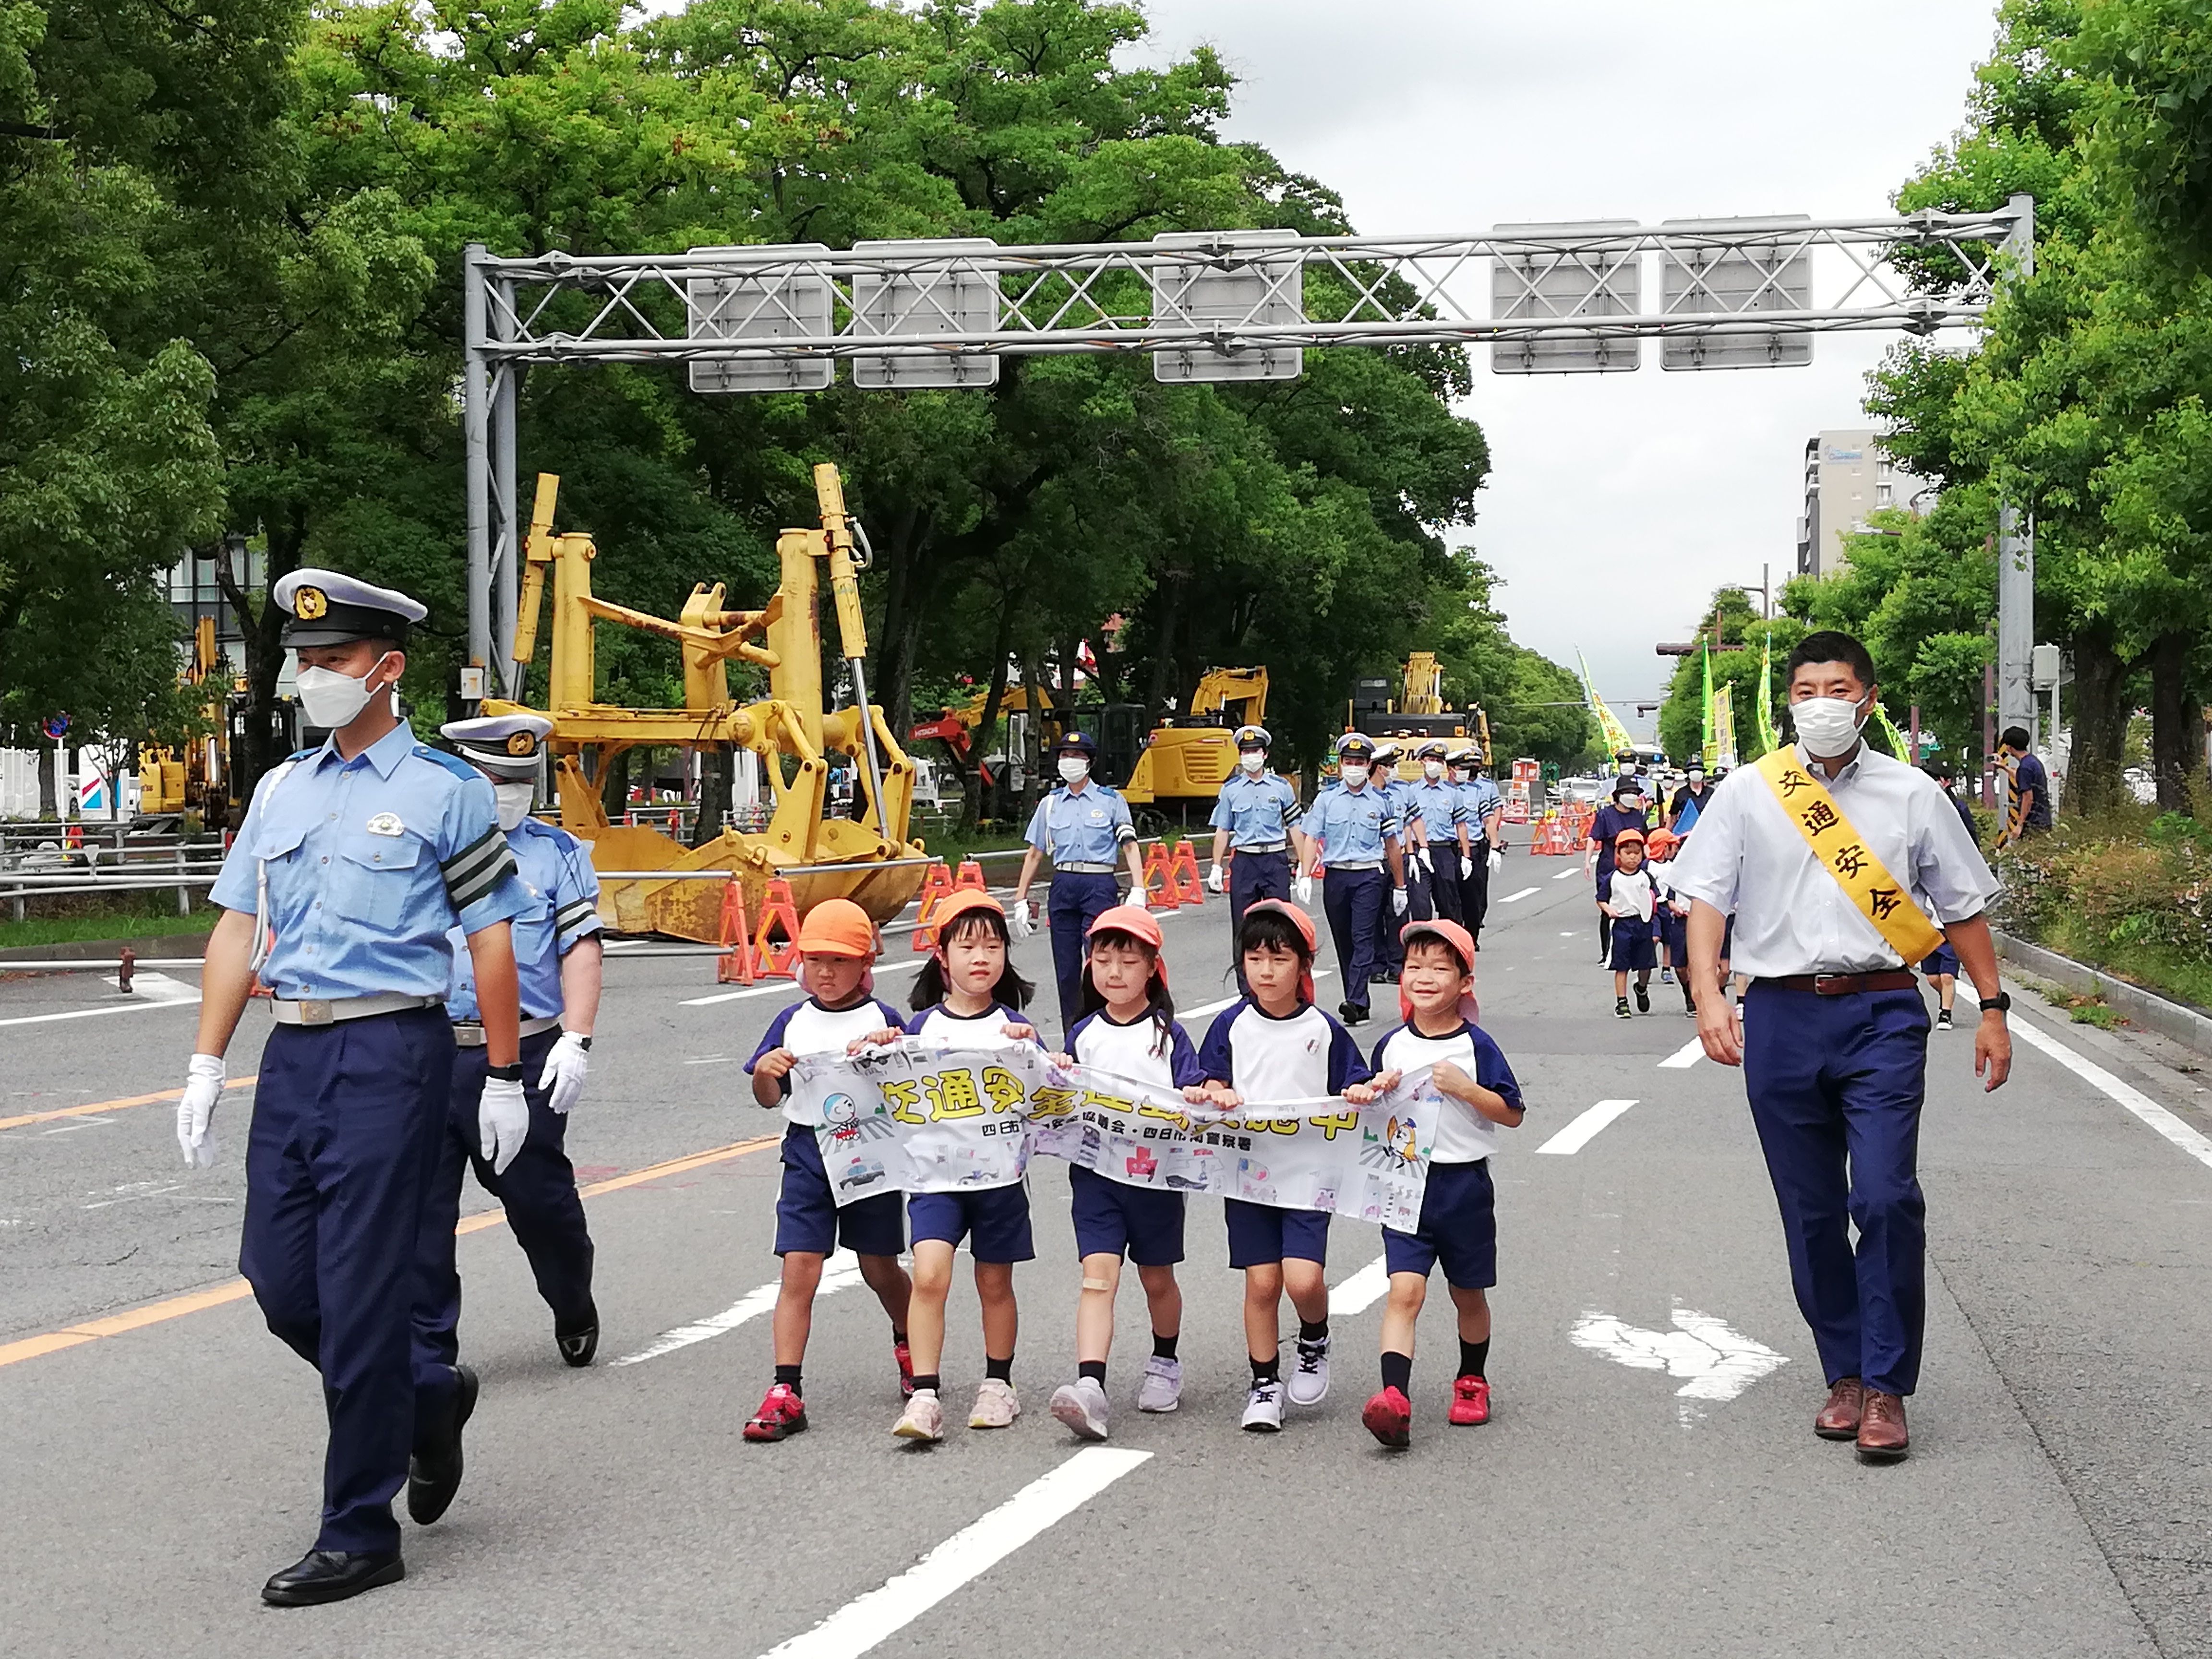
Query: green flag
{"x": 1709, "y": 746}
{"x": 1768, "y": 738}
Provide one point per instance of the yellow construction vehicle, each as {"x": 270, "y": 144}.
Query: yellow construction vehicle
{"x": 168, "y": 781}
{"x": 789, "y": 731}
{"x": 1188, "y": 760}
{"x": 1419, "y": 710}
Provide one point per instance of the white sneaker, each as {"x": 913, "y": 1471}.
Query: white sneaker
{"x": 996, "y": 1405}
{"x": 923, "y": 1418}
{"x": 1263, "y": 1407}
{"x": 1309, "y": 1383}
{"x": 1082, "y": 1405}
{"x": 1162, "y": 1389}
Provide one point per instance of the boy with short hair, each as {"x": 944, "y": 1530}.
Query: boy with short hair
{"x": 1627, "y": 897}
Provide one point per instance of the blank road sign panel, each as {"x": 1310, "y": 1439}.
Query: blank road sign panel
{"x": 780, "y": 300}
{"x": 1567, "y": 270}
{"x": 1749, "y": 275}
{"x": 1239, "y": 289}
{"x": 957, "y": 297}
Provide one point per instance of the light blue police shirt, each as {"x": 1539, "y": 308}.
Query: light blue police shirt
{"x": 1439, "y": 808}
{"x": 1482, "y": 799}
{"x": 1352, "y": 825}
{"x": 556, "y": 870}
{"x": 1257, "y": 811}
{"x": 370, "y": 862}
{"x": 1088, "y": 827}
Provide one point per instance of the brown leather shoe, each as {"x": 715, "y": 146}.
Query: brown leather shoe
{"x": 1882, "y": 1439}
{"x": 1839, "y": 1417}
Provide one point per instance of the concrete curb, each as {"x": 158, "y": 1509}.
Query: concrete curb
{"x": 105, "y": 949}
{"x": 2169, "y": 1019}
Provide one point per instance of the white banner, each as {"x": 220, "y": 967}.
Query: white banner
{"x": 914, "y": 1117}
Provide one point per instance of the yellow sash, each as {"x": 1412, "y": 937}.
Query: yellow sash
{"x": 1881, "y": 897}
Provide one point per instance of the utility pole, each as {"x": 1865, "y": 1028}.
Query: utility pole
{"x": 2015, "y": 695}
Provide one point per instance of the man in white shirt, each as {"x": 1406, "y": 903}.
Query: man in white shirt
{"x": 1826, "y": 853}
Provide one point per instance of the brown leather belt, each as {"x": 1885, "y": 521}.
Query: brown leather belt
{"x": 1844, "y": 985}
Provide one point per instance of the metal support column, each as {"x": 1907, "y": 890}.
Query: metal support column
{"x": 2016, "y": 549}
{"x": 505, "y": 538}
{"x": 475, "y": 440}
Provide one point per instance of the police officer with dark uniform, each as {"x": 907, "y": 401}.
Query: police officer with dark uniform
{"x": 1083, "y": 826}
{"x": 1486, "y": 820}
{"x": 557, "y": 957}
{"x": 1257, "y": 813}
{"x": 355, "y": 859}
{"x": 1437, "y": 805}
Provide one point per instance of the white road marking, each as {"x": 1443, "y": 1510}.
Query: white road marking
{"x": 789, "y": 986}
{"x": 1523, "y": 893}
{"x": 132, "y": 1007}
{"x": 864, "y": 1622}
{"x": 1584, "y": 1128}
{"x": 157, "y": 987}
{"x": 710, "y": 1059}
{"x": 1686, "y": 1056}
{"x": 1356, "y": 1294}
{"x": 840, "y": 1270}
{"x": 2126, "y": 1094}
{"x": 1564, "y": 874}
{"x": 1717, "y": 1362}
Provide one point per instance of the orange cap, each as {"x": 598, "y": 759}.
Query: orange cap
{"x": 1661, "y": 841}
{"x": 1137, "y": 924}
{"x": 1305, "y": 924}
{"x": 957, "y": 904}
{"x": 836, "y": 927}
{"x": 1463, "y": 944}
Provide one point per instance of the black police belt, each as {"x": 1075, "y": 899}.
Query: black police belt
{"x": 1268, "y": 847}
{"x": 1074, "y": 868}
{"x": 335, "y": 1010}
{"x": 469, "y": 1033}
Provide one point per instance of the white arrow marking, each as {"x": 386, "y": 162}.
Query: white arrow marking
{"x": 1717, "y": 1363}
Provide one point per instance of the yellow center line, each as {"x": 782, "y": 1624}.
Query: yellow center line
{"x": 100, "y": 1106}
{"x": 235, "y": 1289}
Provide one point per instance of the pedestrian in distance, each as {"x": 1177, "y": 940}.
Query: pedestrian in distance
{"x": 1624, "y": 810}
{"x": 358, "y": 859}
{"x": 2027, "y": 807}
{"x": 1256, "y": 817}
{"x": 1842, "y": 866}
{"x": 1630, "y": 900}
{"x": 1128, "y": 1029}
{"x": 557, "y": 964}
{"x": 1275, "y": 1045}
{"x": 1689, "y": 800}
{"x": 1353, "y": 837}
{"x": 968, "y": 995}
{"x": 837, "y": 949}
{"x": 1670, "y": 916}
{"x": 1439, "y": 808}
{"x": 1412, "y": 843}
{"x": 1458, "y": 1225}
{"x": 1485, "y": 832}
{"x": 1084, "y": 828}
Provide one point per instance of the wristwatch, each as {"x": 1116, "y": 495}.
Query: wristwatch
{"x": 2001, "y": 1003}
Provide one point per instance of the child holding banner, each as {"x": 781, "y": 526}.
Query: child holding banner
{"x": 836, "y": 948}
{"x": 968, "y": 995}
{"x": 1459, "y": 1225}
{"x": 1128, "y": 1029}
{"x": 1274, "y": 1046}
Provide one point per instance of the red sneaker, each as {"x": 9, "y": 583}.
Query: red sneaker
{"x": 1388, "y": 1416}
{"x": 1470, "y": 1401}
{"x": 781, "y": 1415}
{"x": 904, "y": 1355}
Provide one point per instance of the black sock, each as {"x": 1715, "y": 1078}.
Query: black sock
{"x": 1398, "y": 1372}
{"x": 788, "y": 1373}
{"x": 925, "y": 1380}
{"x": 898, "y": 1337}
{"x": 1312, "y": 1330}
{"x": 1163, "y": 1347}
{"x": 1093, "y": 1369}
{"x": 1472, "y": 1357}
{"x": 1269, "y": 1370}
{"x": 1003, "y": 1370}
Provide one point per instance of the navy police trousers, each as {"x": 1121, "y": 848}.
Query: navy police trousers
{"x": 1252, "y": 877}
{"x": 1354, "y": 901}
{"x": 1076, "y": 900}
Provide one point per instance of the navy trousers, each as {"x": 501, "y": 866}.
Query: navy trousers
{"x": 1836, "y": 1084}
{"x": 1475, "y": 892}
{"x": 539, "y": 1190}
{"x": 1433, "y": 897}
{"x": 1387, "y": 954}
{"x": 1076, "y": 900}
{"x": 1252, "y": 877}
{"x": 343, "y": 1140}
{"x": 1353, "y": 900}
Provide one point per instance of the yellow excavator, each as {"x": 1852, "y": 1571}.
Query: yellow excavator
{"x": 789, "y": 731}
{"x": 1419, "y": 710}
{"x": 1186, "y": 762}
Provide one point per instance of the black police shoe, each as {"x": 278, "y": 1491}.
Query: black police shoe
{"x": 578, "y": 1339}
{"x": 435, "y": 1474}
{"x": 1351, "y": 1014}
{"x": 321, "y": 1576}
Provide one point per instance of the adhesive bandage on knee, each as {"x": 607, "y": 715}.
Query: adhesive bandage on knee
{"x": 1097, "y": 1284}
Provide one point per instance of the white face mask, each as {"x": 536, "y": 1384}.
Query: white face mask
{"x": 1074, "y": 769}
{"x": 514, "y": 799}
{"x": 1697, "y": 777}
{"x": 1829, "y": 725}
{"x": 1252, "y": 759}
{"x": 1434, "y": 769}
{"x": 1353, "y": 775}
{"x": 331, "y": 699}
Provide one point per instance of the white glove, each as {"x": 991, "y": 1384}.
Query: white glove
{"x": 1022, "y": 923}
{"x": 1422, "y": 862}
{"x": 1140, "y": 899}
{"x": 1217, "y": 879}
{"x": 502, "y": 1121}
{"x": 1398, "y": 901}
{"x": 1302, "y": 889}
{"x": 568, "y": 1062}
{"x": 1497, "y": 860}
{"x": 203, "y": 1080}
{"x": 1466, "y": 866}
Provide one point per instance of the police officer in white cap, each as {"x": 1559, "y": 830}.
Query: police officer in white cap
{"x": 556, "y": 954}
{"x": 1258, "y": 813}
{"x": 354, "y": 863}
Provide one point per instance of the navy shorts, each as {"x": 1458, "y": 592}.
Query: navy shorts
{"x": 1943, "y": 960}
{"x": 995, "y": 1221}
{"x": 807, "y": 1217}
{"x": 1260, "y": 1234}
{"x": 1459, "y": 1228}
{"x": 1111, "y": 1217}
{"x": 1632, "y": 944}
{"x": 1675, "y": 934}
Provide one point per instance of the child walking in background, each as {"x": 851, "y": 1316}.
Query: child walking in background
{"x": 836, "y": 949}
{"x": 1626, "y": 896}
{"x": 1128, "y": 1027}
{"x": 1670, "y": 917}
{"x": 1274, "y": 1045}
{"x": 1458, "y": 1225}
{"x": 968, "y": 995}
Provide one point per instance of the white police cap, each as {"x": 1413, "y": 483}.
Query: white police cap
{"x": 503, "y": 745}
{"x": 1249, "y": 735}
{"x": 328, "y": 607}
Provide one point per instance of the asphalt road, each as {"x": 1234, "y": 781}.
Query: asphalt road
{"x": 161, "y": 1451}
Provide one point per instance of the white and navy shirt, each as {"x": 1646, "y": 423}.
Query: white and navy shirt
{"x": 1301, "y": 1056}
{"x": 1138, "y": 1051}
{"x": 808, "y": 1028}
{"x": 1627, "y": 890}
{"x": 1464, "y": 1134}
{"x": 985, "y": 1031}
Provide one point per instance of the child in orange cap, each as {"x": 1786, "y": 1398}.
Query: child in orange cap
{"x": 837, "y": 949}
{"x": 1626, "y": 895}
{"x": 1670, "y": 917}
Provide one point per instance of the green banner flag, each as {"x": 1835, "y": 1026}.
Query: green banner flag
{"x": 1769, "y": 740}
{"x": 1709, "y": 747}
